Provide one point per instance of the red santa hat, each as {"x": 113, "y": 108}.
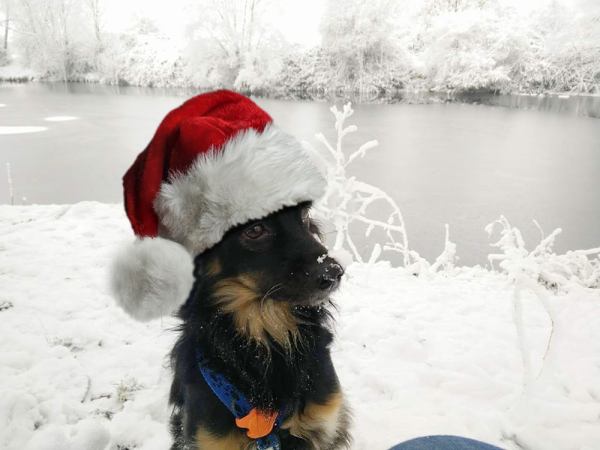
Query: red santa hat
{"x": 215, "y": 162}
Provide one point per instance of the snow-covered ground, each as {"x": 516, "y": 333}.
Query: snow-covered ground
{"x": 416, "y": 356}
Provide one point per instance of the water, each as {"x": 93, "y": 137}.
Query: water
{"x": 456, "y": 163}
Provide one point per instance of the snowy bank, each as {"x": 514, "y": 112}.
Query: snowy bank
{"x": 416, "y": 356}
{"x": 18, "y": 73}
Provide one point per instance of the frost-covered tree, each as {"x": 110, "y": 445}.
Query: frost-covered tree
{"x": 232, "y": 43}
{"x": 141, "y": 56}
{"x": 5, "y": 7}
{"x": 563, "y": 49}
{"x": 361, "y": 44}
{"x": 572, "y": 51}
{"x": 374, "y": 45}
{"x": 483, "y": 44}
{"x": 95, "y": 9}
{"x": 472, "y": 49}
{"x": 52, "y": 36}
{"x": 437, "y": 7}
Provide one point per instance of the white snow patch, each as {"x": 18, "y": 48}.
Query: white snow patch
{"x": 342, "y": 256}
{"x": 60, "y": 118}
{"x": 21, "y": 130}
{"x": 416, "y": 356}
{"x": 321, "y": 258}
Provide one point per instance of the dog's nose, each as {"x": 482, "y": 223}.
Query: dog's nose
{"x": 330, "y": 277}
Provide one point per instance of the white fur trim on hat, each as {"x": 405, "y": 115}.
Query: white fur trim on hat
{"x": 251, "y": 176}
{"x": 151, "y": 278}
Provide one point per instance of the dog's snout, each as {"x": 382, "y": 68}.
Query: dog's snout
{"x": 330, "y": 276}
{"x": 337, "y": 271}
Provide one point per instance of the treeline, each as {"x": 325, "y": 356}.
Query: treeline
{"x": 379, "y": 45}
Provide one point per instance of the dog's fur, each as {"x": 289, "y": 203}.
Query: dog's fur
{"x": 258, "y": 311}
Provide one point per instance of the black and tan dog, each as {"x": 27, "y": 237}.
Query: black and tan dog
{"x": 259, "y": 312}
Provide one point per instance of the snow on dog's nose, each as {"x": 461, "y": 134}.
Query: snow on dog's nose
{"x": 330, "y": 275}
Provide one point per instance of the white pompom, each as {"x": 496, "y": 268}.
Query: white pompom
{"x": 151, "y": 278}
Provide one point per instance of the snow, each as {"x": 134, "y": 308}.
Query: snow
{"x": 60, "y": 118}
{"x": 21, "y": 130}
{"x": 415, "y": 355}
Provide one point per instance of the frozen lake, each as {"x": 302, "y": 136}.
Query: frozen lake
{"x": 461, "y": 164}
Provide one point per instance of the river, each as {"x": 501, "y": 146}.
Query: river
{"x": 463, "y": 161}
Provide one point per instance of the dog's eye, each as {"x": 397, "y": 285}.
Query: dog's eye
{"x": 305, "y": 214}
{"x": 255, "y": 231}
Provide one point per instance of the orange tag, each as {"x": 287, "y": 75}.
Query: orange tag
{"x": 259, "y": 423}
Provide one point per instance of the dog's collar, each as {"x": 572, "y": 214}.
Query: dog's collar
{"x": 261, "y": 425}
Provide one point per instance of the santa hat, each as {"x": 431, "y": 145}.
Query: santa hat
{"x": 215, "y": 162}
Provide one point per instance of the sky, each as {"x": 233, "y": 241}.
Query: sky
{"x": 298, "y": 19}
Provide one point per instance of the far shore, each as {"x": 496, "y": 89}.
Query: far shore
{"x": 17, "y": 74}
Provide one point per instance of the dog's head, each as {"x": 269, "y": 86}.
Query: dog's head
{"x": 267, "y": 273}
{"x": 281, "y": 256}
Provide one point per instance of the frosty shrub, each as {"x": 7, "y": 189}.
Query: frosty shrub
{"x": 347, "y": 200}
{"x": 540, "y": 271}
{"x": 233, "y": 44}
{"x": 307, "y": 71}
{"x": 361, "y": 45}
{"x": 140, "y": 56}
{"x": 470, "y": 49}
{"x": 126, "y": 389}
{"x": 141, "y": 60}
{"x": 555, "y": 272}
{"x": 563, "y": 52}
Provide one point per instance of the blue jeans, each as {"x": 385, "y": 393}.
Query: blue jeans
{"x": 443, "y": 443}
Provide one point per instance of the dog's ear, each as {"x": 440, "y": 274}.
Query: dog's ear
{"x": 199, "y": 266}
{"x": 315, "y": 228}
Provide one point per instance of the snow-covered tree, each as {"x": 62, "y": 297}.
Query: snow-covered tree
{"x": 472, "y": 49}
{"x": 52, "y": 36}
{"x": 5, "y": 8}
{"x": 95, "y": 9}
{"x": 232, "y": 43}
{"x": 437, "y": 7}
{"x": 573, "y": 49}
{"x": 361, "y": 44}
{"x": 141, "y": 56}
{"x": 374, "y": 46}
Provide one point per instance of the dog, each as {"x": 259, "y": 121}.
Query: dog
{"x": 259, "y": 312}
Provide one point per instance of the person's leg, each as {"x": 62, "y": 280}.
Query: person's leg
{"x": 443, "y": 443}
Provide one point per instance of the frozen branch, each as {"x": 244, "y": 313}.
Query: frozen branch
{"x": 542, "y": 264}
{"x": 346, "y": 200}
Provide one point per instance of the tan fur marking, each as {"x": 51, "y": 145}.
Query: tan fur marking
{"x": 236, "y": 440}
{"x": 214, "y": 268}
{"x": 254, "y": 315}
{"x": 317, "y": 418}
